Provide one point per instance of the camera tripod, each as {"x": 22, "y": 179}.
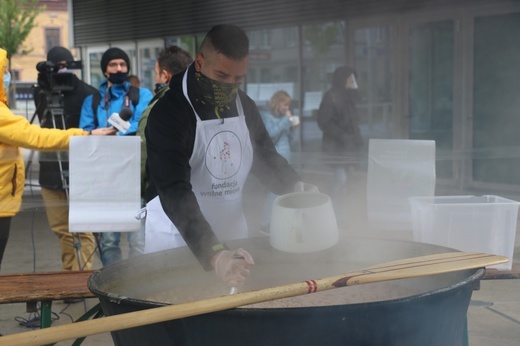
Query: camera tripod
{"x": 50, "y": 109}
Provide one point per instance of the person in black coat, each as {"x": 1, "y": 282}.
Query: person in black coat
{"x": 61, "y": 109}
{"x": 338, "y": 119}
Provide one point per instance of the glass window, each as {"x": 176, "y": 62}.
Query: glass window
{"x": 373, "y": 61}
{"x": 15, "y": 75}
{"x": 147, "y": 59}
{"x": 323, "y": 51}
{"x": 273, "y": 66}
{"x": 188, "y": 43}
{"x": 431, "y": 87}
{"x": 268, "y": 66}
{"x": 261, "y": 39}
{"x": 52, "y": 38}
{"x": 496, "y": 101}
{"x": 96, "y": 76}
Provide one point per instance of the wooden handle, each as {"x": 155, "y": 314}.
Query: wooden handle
{"x": 402, "y": 269}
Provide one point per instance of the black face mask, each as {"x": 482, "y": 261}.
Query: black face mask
{"x": 118, "y": 77}
{"x": 159, "y": 87}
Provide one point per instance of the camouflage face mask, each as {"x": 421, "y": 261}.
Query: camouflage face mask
{"x": 217, "y": 93}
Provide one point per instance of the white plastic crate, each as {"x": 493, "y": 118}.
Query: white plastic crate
{"x": 467, "y": 223}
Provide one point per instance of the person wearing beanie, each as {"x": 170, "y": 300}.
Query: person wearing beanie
{"x": 16, "y": 132}
{"x": 114, "y": 53}
{"x": 115, "y": 93}
{"x": 59, "y": 54}
{"x": 77, "y": 249}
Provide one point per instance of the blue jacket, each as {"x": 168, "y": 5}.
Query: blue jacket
{"x": 279, "y": 129}
{"x": 117, "y": 95}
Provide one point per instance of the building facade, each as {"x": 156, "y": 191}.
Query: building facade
{"x": 443, "y": 70}
{"x": 51, "y": 29}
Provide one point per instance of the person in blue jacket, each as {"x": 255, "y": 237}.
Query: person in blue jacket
{"x": 115, "y": 93}
{"x": 280, "y": 124}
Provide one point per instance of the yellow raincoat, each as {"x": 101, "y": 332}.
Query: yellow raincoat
{"x": 16, "y": 132}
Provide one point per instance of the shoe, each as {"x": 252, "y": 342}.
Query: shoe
{"x": 73, "y": 300}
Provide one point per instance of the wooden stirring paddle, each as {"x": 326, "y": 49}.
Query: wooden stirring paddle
{"x": 401, "y": 269}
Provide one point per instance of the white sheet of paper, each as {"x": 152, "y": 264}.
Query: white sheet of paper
{"x": 397, "y": 170}
{"x": 104, "y": 183}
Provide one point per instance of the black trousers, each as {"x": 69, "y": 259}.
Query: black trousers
{"x": 5, "y": 225}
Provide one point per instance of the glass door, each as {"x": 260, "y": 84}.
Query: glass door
{"x": 373, "y": 51}
{"x": 430, "y": 88}
{"x": 147, "y": 55}
{"x": 460, "y": 90}
{"x": 93, "y": 73}
{"x": 322, "y": 51}
{"x": 496, "y": 101}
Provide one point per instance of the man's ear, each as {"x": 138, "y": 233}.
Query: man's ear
{"x": 199, "y": 62}
{"x": 167, "y": 75}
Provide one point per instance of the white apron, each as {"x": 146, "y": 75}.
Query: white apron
{"x": 220, "y": 163}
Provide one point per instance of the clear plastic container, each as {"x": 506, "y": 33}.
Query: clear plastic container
{"x": 467, "y": 223}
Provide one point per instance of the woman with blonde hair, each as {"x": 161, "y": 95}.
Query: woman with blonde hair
{"x": 280, "y": 124}
{"x": 16, "y": 132}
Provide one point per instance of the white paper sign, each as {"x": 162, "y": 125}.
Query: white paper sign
{"x": 104, "y": 183}
{"x": 397, "y": 170}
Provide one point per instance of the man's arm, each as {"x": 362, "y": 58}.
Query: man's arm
{"x": 170, "y": 134}
{"x": 271, "y": 168}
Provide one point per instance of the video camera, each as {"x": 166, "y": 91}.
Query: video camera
{"x": 52, "y": 80}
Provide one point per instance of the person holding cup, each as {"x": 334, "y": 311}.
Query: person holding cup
{"x": 280, "y": 124}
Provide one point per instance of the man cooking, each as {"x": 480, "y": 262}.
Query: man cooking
{"x": 204, "y": 136}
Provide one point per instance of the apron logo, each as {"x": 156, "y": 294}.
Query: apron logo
{"x": 224, "y": 155}
{"x": 230, "y": 188}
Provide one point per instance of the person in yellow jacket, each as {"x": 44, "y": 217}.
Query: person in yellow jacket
{"x": 16, "y": 132}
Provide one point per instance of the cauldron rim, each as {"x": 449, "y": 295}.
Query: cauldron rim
{"x": 416, "y": 318}
{"x": 476, "y": 275}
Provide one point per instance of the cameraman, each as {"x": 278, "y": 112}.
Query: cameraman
{"x": 65, "y": 107}
{"x": 16, "y": 132}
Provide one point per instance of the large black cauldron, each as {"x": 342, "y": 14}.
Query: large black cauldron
{"x": 420, "y": 311}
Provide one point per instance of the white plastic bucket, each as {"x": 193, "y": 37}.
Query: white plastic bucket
{"x": 303, "y": 222}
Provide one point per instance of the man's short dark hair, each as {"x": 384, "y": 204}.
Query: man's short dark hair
{"x": 174, "y": 59}
{"x": 228, "y": 40}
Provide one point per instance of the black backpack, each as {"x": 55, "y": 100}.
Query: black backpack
{"x": 133, "y": 95}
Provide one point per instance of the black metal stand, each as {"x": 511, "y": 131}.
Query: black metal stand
{"x": 54, "y": 112}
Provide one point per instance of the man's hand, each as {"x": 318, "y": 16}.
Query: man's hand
{"x": 232, "y": 267}
{"x": 304, "y": 187}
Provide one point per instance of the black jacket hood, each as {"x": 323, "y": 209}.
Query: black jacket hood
{"x": 340, "y": 76}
